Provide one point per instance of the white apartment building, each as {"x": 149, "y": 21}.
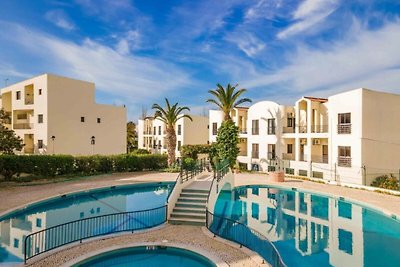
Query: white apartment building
{"x": 152, "y": 133}
{"x": 351, "y": 137}
{"x": 58, "y": 115}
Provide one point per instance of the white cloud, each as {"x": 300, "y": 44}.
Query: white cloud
{"x": 246, "y": 42}
{"x": 60, "y": 19}
{"x": 363, "y": 59}
{"x": 130, "y": 78}
{"x": 131, "y": 40}
{"x": 307, "y": 15}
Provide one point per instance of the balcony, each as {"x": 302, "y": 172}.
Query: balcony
{"x": 344, "y": 128}
{"x": 319, "y": 128}
{"x": 344, "y": 161}
{"x": 287, "y": 156}
{"x": 287, "y": 129}
{"x": 242, "y": 131}
{"x": 302, "y": 129}
{"x": 19, "y": 126}
{"x": 320, "y": 159}
{"x": 29, "y": 101}
{"x": 303, "y": 157}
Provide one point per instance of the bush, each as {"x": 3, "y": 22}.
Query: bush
{"x": 56, "y": 165}
{"x": 386, "y": 182}
{"x": 140, "y": 151}
{"x": 192, "y": 151}
{"x": 188, "y": 164}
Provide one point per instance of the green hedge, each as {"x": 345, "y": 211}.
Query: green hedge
{"x": 56, "y": 165}
{"x": 191, "y": 151}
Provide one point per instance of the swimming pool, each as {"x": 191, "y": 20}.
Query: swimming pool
{"x": 314, "y": 230}
{"x": 145, "y": 256}
{"x": 15, "y": 226}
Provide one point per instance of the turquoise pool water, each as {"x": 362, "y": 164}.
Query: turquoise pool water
{"x": 150, "y": 256}
{"x": 14, "y": 227}
{"x": 314, "y": 230}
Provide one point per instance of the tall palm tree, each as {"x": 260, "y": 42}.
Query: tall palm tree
{"x": 170, "y": 115}
{"x": 227, "y": 98}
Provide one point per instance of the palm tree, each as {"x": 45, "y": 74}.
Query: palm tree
{"x": 227, "y": 99}
{"x": 170, "y": 115}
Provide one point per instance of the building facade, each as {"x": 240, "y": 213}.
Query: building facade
{"x": 152, "y": 133}
{"x": 58, "y": 115}
{"x": 351, "y": 137}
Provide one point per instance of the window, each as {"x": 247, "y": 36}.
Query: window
{"x": 271, "y": 216}
{"x": 255, "y": 211}
{"x": 40, "y": 118}
{"x": 81, "y": 215}
{"x": 18, "y": 95}
{"x": 254, "y": 127}
{"x": 344, "y": 210}
{"x": 154, "y": 130}
{"x": 179, "y": 129}
{"x": 344, "y": 156}
{"x": 214, "y": 128}
{"x": 159, "y": 130}
{"x": 40, "y": 91}
{"x": 290, "y": 122}
{"x": 271, "y": 126}
{"x": 179, "y": 145}
{"x": 345, "y": 241}
{"x": 40, "y": 143}
{"x": 23, "y": 116}
{"x": 254, "y": 151}
{"x": 344, "y": 123}
{"x": 271, "y": 151}
{"x": 82, "y": 119}
{"x": 16, "y": 243}
{"x": 290, "y": 148}
{"x": 38, "y": 222}
{"x": 159, "y": 144}
{"x": 98, "y": 120}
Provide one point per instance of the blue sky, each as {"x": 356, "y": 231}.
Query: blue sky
{"x": 139, "y": 52}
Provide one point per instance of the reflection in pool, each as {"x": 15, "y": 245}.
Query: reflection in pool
{"x": 16, "y": 226}
{"x": 314, "y": 230}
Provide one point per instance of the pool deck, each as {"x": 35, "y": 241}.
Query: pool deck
{"x": 189, "y": 237}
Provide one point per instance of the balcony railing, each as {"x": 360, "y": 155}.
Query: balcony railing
{"x": 23, "y": 126}
{"x": 288, "y": 130}
{"x": 242, "y": 131}
{"x": 344, "y": 128}
{"x": 271, "y": 130}
{"x": 287, "y": 156}
{"x": 28, "y": 101}
{"x": 302, "y": 129}
{"x": 344, "y": 161}
{"x": 303, "y": 157}
{"x": 320, "y": 159}
{"x": 319, "y": 128}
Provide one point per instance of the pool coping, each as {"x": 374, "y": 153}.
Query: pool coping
{"x": 214, "y": 259}
{"x": 34, "y": 203}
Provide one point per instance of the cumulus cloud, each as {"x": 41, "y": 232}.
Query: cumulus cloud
{"x": 60, "y": 19}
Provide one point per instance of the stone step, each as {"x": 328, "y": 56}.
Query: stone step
{"x": 189, "y": 210}
{"x": 196, "y": 195}
{"x": 190, "y": 205}
{"x": 188, "y": 216}
{"x": 200, "y": 191}
{"x": 192, "y": 200}
{"x": 188, "y": 221}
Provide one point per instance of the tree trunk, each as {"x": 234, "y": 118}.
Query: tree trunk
{"x": 171, "y": 145}
{"x": 227, "y": 117}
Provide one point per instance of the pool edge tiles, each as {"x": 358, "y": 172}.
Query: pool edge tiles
{"x": 194, "y": 252}
{"x": 10, "y": 212}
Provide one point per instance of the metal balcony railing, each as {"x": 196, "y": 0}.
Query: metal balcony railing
{"x": 320, "y": 159}
{"x": 302, "y": 129}
{"x": 242, "y": 131}
{"x": 28, "y": 101}
{"x": 344, "y": 128}
{"x": 23, "y": 126}
{"x": 319, "y": 128}
{"x": 344, "y": 161}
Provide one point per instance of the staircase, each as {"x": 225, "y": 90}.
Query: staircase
{"x": 190, "y": 209}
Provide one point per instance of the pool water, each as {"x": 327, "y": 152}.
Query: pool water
{"x": 154, "y": 256}
{"x": 314, "y": 230}
{"x": 15, "y": 226}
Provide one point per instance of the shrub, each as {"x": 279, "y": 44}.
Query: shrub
{"x": 56, "y": 165}
{"x": 227, "y": 142}
{"x": 188, "y": 164}
{"x": 384, "y": 181}
{"x": 192, "y": 151}
{"x": 140, "y": 151}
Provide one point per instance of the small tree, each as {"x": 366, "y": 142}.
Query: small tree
{"x": 9, "y": 141}
{"x": 131, "y": 136}
{"x": 227, "y": 142}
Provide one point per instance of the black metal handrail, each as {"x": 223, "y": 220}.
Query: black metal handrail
{"x": 245, "y": 236}
{"x": 188, "y": 174}
{"x": 63, "y": 234}
{"x": 219, "y": 173}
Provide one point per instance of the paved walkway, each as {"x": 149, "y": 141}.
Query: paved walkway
{"x": 191, "y": 237}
